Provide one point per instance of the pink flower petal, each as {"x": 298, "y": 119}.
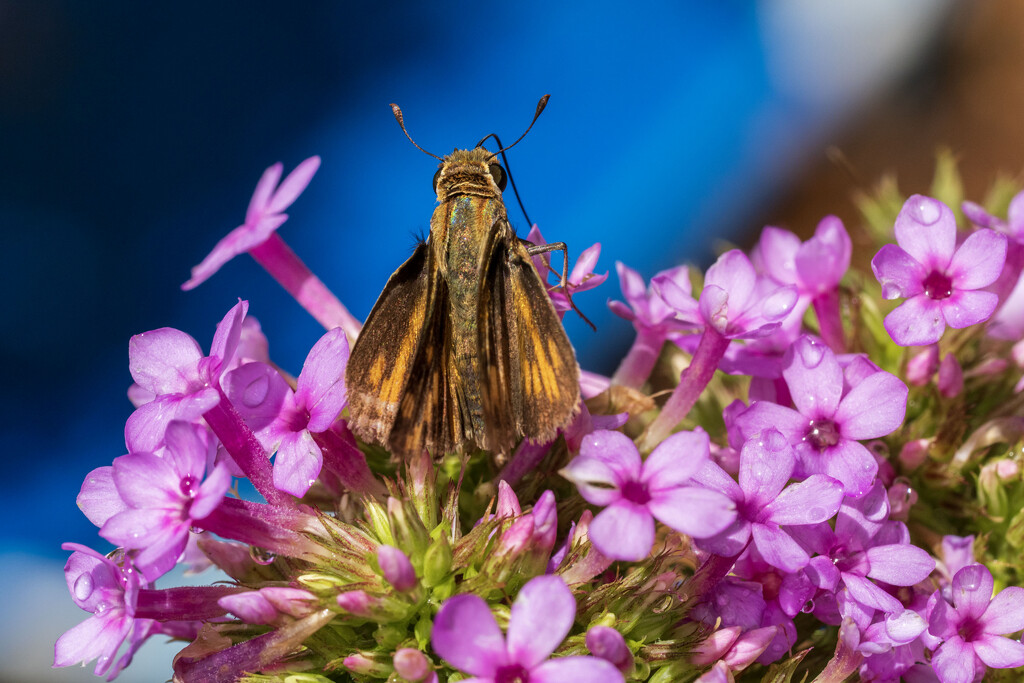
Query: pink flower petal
{"x": 972, "y": 590}
{"x": 596, "y": 481}
{"x": 849, "y": 462}
{"x": 734, "y": 273}
{"x": 623, "y": 531}
{"x": 1005, "y": 614}
{"x": 954, "y": 661}
{"x": 926, "y": 229}
{"x": 775, "y": 253}
{"x": 918, "y": 321}
{"x": 811, "y": 501}
{"x": 542, "y": 615}
{"x": 777, "y": 548}
{"x": 874, "y": 408}
{"x": 899, "y": 274}
{"x": 899, "y": 564}
{"x": 966, "y": 308}
{"x": 824, "y": 259}
{"x": 766, "y": 463}
{"x": 998, "y": 652}
{"x": 260, "y": 394}
{"x": 616, "y": 450}
{"x": 164, "y": 361}
{"x": 466, "y": 635}
{"x": 292, "y": 186}
{"x": 297, "y": 464}
{"x": 211, "y": 492}
{"x": 676, "y": 459}
{"x": 96, "y": 637}
{"x": 590, "y": 669}
{"x": 979, "y": 261}
{"x": 870, "y": 595}
{"x": 814, "y": 378}
{"x": 321, "y": 384}
{"x": 98, "y": 499}
{"x": 225, "y": 340}
{"x": 145, "y": 480}
{"x": 263, "y": 192}
{"x": 695, "y": 511}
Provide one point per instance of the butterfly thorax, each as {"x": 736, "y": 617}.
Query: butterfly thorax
{"x": 468, "y": 220}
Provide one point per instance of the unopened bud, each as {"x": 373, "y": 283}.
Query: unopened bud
{"x": 412, "y": 665}
{"x": 951, "y": 376}
{"x": 437, "y": 561}
{"x": 607, "y": 643}
{"x": 922, "y": 366}
{"x": 396, "y": 568}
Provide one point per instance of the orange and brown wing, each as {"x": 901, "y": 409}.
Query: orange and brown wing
{"x": 530, "y": 379}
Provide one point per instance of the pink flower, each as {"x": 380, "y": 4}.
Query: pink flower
{"x": 942, "y": 283}
{"x": 467, "y": 636}
{"x": 609, "y": 472}
{"x": 262, "y": 218}
{"x": 973, "y": 627}
{"x": 286, "y": 420}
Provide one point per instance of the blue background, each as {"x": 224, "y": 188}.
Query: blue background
{"x": 131, "y": 139}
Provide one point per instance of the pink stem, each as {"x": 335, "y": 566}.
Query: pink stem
{"x": 524, "y": 460}
{"x": 186, "y": 603}
{"x": 278, "y": 530}
{"x": 281, "y": 262}
{"x": 830, "y": 322}
{"x": 636, "y": 367}
{"x": 693, "y": 381}
{"x": 244, "y": 448}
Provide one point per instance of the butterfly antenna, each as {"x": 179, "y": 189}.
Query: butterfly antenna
{"x": 540, "y": 107}
{"x": 508, "y": 172}
{"x": 401, "y": 122}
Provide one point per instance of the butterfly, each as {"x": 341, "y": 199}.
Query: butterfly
{"x": 463, "y": 347}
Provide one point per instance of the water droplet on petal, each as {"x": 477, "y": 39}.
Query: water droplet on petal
{"x": 891, "y": 290}
{"x": 101, "y": 607}
{"x": 924, "y": 210}
{"x": 808, "y": 607}
{"x": 84, "y": 586}
{"x": 261, "y": 556}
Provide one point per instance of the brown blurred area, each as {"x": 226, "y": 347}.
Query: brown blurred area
{"x": 968, "y": 96}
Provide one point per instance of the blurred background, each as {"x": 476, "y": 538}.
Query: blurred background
{"x": 131, "y": 138}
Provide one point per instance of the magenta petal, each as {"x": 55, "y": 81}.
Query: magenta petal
{"x": 849, "y": 462}
{"x": 321, "y": 384}
{"x": 998, "y": 652}
{"x": 98, "y": 499}
{"x": 777, "y": 547}
{"x": 145, "y": 428}
{"x": 292, "y": 186}
{"x": 728, "y": 542}
{"x": 775, "y": 253}
{"x": 145, "y": 480}
{"x": 211, "y": 492}
{"x": 954, "y": 661}
{"x": 918, "y": 321}
{"x": 764, "y": 415}
{"x": 898, "y": 273}
{"x": 734, "y": 273}
{"x": 766, "y": 463}
{"x": 867, "y": 593}
{"x": 96, "y": 637}
{"x": 676, "y": 459}
{"x": 1005, "y": 614}
{"x": 695, "y": 511}
{"x": 968, "y": 307}
{"x": 466, "y": 635}
{"x": 824, "y": 259}
{"x": 905, "y": 626}
{"x": 677, "y": 297}
{"x": 873, "y": 408}
{"x": 631, "y": 283}
{"x": 225, "y": 340}
{"x": 814, "y": 377}
{"x": 263, "y": 192}
{"x": 297, "y": 464}
{"x": 899, "y": 564}
{"x": 616, "y": 450}
{"x": 259, "y": 393}
{"x": 972, "y": 590}
{"x": 926, "y": 229}
{"x": 187, "y": 452}
{"x": 596, "y": 481}
{"x": 164, "y": 361}
{"x": 812, "y": 501}
{"x": 979, "y": 261}
{"x": 589, "y": 669}
{"x": 623, "y": 531}
{"x": 542, "y": 615}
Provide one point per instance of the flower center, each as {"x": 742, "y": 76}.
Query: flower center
{"x": 512, "y": 673}
{"x": 938, "y": 286}
{"x": 822, "y": 434}
{"x": 969, "y": 630}
{"x": 296, "y": 420}
{"x": 635, "y": 492}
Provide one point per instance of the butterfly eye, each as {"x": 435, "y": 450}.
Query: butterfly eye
{"x": 499, "y": 176}
{"x": 437, "y": 176}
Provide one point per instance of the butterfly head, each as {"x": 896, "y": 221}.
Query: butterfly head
{"x": 469, "y": 172}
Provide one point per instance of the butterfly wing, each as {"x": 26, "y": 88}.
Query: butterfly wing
{"x": 384, "y": 354}
{"x": 530, "y": 381}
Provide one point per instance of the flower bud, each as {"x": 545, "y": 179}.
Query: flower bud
{"x": 992, "y": 493}
{"x": 922, "y": 366}
{"x": 397, "y": 568}
{"x": 914, "y": 453}
{"x": 379, "y": 521}
{"x": 951, "y": 377}
{"x": 437, "y": 561}
{"x": 367, "y": 663}
{"x": 412, "y": 665}
{"x": 607, "y": 643}
{"x": 420, "y": 480}
{"x": 508, "y": 503}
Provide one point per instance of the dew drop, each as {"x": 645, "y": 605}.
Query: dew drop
{"x": 891, "y": 290}
{"x": 808, "y": 607}
{"x": 101, "y": 607}
{"x": 100, "y": 661}
{"x": 938, "y": 286}
{"x": 261, "y": 556}
{"x": 925, "y": 210}
{"x": 256, "y": 392}
{"x": 84, "y": 586}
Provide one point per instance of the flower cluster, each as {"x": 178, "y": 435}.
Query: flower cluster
{"x": 830, "y": 486}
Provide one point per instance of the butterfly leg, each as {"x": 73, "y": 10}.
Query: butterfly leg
{"x": 535, "y": 249}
